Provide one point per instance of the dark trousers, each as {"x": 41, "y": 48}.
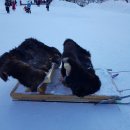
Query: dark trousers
{"x": 47, "y": 7}
{"x": 7, "y": 9}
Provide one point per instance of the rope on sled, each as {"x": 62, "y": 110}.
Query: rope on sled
{"x": 115, "y": 100}
{"x": 121, "y": 71}
{"x": 110, "y": 70}
{"x": 122, "y": 97}
{"x": 113, "y": 75}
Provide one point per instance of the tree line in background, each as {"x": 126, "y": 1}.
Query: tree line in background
{"x": 83, "y": 3}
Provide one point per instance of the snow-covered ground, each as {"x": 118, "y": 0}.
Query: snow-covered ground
{"x": 103, "y": 29}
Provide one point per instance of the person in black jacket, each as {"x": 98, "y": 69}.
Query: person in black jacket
{"x": 7, "y": 6}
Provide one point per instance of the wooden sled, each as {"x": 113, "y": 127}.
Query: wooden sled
{"x": 108, "y": 90}
{"x": 57, "y": 98}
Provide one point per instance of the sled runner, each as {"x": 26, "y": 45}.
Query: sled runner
{"x": 57, "y": 92}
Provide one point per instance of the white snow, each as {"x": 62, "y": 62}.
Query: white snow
{"x": 103, "y": 29}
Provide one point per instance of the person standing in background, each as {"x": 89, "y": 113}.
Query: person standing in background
{"x": 29, "y": 3}
{"x": 13, "y": 5}
{"x": 7, "y": 6}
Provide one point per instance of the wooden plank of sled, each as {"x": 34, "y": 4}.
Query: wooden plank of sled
{"x": 12, "y": 94}
{"x": 49, "y": 76}
{"x": 56, "y": 98}
{"x": 47, "y": 79}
